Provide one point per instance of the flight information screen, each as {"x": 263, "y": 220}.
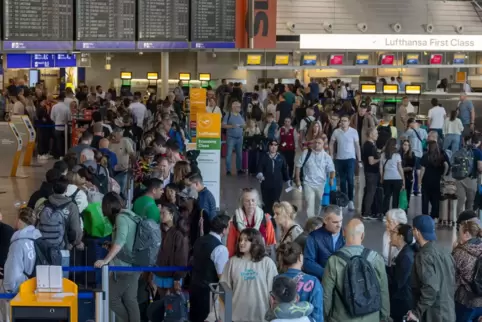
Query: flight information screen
{"x": 105, "y": 24}
{"x": 213, "y": 23}
{"x": 163, "y": 24}
{"x": 38, "y": 24}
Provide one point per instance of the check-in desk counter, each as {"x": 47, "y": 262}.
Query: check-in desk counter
{"x": 30, "y": 306}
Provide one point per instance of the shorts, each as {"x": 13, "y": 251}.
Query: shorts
{"x": 417, "y": 163}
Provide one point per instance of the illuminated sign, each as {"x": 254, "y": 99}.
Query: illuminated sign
{"x": 204, "y": 77}
{"x": 368, "y": 88}
{"x": 253, "y": 60}
{"x": 282, "y": 60}
{"x": 309, "y": 60}
{"x": 436, "y": 59}
{"x": 362, "y": 59}
{"x": 336, "y": 60}
{"x": 390, "y": 89}
{"x": 413, "y": 89}
{"x": 126, "y": 75}
{"x": 412, "y": 59}
{"x": 185, "y": 76}
{"x": 387, "y": 59}
{"x": 459, "y": 58}
{"x": 152, "y": 76}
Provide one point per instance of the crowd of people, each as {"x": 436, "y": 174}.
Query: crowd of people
{"x": 130, "y": 181}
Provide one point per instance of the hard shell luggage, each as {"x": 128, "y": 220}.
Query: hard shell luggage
{"x": 86, "y": 307}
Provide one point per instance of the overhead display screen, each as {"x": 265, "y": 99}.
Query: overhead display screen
{"x": 390, "y": 89}
{"x": 213, "y": 23}
{"x": 387, "y": 59}
{"x": 38, "y": 25}
{"x": 368, "y": 88}
{"x": 309, "y": 60}
{"x": 105, "y": 24}
{"x": 362, "y": 59}
{"x": 459, "y": 58}
{"x": 163, "y": 24}
{"x": 253, "y": 60}
{"x": 38, "y": 61}
{"x": 412, "y": 59}
{"x": 336, "y": 60}
{"x": 436, "y": 59}
{"x": 282, "y": 60}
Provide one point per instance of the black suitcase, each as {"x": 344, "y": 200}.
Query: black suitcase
{"x": 86, "y": 307}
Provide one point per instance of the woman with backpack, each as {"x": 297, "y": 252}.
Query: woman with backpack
{"x": 250, "y": 275}
{"x": 290, "y": 259}
{"x": 123, "y": 286}
{"x": 250, "y": 215}
{"x": 391, "y": 174}
{"x": 468, "y": 299}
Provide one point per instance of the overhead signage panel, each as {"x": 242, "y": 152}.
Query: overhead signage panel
{"x": 362, "y": 59}
{"x": 390, "y": 89}
{"x": 368, "y": 88}
{"x": 413, "y": 89}
{"x": 391, "y": 42}
{"x": 459, "y": 59}
{"x": 41, "y": 60}
{"x": 38, "y": 25}
{"x": 253, "y": 60}
{"x": 412, "y": 59}
{"x": 309, "y": 60}
{"x": 282, "y": 60}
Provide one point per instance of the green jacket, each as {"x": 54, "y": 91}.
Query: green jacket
{"x": 334, "y": 308}
{"x": 433, "y": 284}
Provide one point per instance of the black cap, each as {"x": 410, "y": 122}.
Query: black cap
{"x": 466, "y": 215}
{"x": 284, "y": 289}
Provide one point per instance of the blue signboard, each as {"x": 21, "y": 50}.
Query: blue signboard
{"x": 155, "y": 45}
{"x": 105, "y": 45}
{"x": 41, "y": 60}
{"x": 37, "y": 45}
{"x": 212, "y": 45}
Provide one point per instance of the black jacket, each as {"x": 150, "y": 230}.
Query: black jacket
{"x": 46, "y": 189}
{"x": 274, "y": 170}
{"x": 401, "y": 298}
{"x": 6, "y": 233}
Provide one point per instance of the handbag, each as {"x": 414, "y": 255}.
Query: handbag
{"x": 403, "y": 200}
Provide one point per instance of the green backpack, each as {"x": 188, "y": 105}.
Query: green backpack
{"x": 95, "y": 223}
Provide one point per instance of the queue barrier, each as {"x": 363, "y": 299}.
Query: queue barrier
{"x": 101, "y": 296}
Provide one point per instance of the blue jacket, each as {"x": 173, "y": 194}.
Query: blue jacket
{"x": 207, "y": 202}
{"x": 173, "y": 134}
{"x": 318, "y": 248}
{"x": 309, "y": 290}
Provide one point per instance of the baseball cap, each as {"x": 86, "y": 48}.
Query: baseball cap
{"x": 364, "y": 105}
{"x": 426, "y": 226}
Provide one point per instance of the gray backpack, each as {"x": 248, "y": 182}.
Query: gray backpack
{"x": 51, "y": 223}
{"x": 146, "y": 243}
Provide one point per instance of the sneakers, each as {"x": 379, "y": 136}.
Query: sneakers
{"x": 351, "y": 206}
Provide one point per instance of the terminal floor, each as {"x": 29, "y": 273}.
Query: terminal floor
{"x": 14, "y": 190}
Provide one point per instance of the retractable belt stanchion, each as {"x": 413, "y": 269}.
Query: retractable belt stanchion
{"x": 105, "y": 290}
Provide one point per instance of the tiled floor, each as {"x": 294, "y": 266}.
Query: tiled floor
{"x": 14, "y": 190}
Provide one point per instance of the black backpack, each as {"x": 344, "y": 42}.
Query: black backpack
{"x": 45, "y": 254}
{"x": 101, "y": 181}
{"x": 361, "y": 289}
{"x": 384, "y": 134}
{"x": 256, "y": 112}
{"x": 476, "y": 284}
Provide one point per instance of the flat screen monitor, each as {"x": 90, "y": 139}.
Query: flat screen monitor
{"x": 390, "y": 107}
{"x": 336, "y": 60}
{"x": 412, "y": 59}
{"x": 253, "y": 60}
{"x": 459, "y": 59}
{"x": 436, "y": 59}
{"x": 282, "y": 60}
{"x": 390, "y": 89}
{"x": 387, "y": 59}
{"x": 368, "y": 88}
{"x": 309, "y": 60}
{"x": 413, "y": 89}
{"x": 362, "y": 59}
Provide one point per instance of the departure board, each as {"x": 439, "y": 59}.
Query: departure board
{"x": 38, "y": 24}
{"x": 213, "y": 23}
{"x": 105, "y": 24}
{"x": 163, "y": 24}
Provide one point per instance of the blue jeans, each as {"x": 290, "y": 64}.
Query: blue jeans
{"x": 237, "y": 145}
{"x": 465, "y": 314}
{"x": 346, "y": 173}
{"x": 439, "y": 131}
{"x": 452, "y": 142}
{"x": 121, "y": 179}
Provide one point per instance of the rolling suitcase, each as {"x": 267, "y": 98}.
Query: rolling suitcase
{"x": 86, "y": 307}
{"x": 245, "y": 161}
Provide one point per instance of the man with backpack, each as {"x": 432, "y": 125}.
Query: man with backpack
{"x": 100, "y": 175}
{"x": 59, "y": 218}
{"x": 355, "y": 272}
{"x": 466, "y": 167}
{"x": 433, "y": 276}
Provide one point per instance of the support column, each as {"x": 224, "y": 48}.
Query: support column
{"x": 164, "y": 74}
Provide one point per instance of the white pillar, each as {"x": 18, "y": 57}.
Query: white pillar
{"x": 164, "y": 74}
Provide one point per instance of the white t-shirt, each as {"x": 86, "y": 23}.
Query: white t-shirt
{"x": 138, "y": 111}
{"x": 345, "y": 141}
{"x": 437, "y": 117}
{"x": 390, "y": 167}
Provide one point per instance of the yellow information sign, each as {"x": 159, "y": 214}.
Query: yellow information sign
{"x": 390, "y": 89}
{"x": 413, "y": 89}
{"x": 197, "y": 97}
{"x": 253, "y": 60}
{"x": 209, "y": 125}
{"x": 126, "y": 75}
{"x": 282, "y": 60}
{"x": 368, "y": 88}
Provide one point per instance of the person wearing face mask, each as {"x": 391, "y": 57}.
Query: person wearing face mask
{"x": 468, "y": 304}
{"x": 250, "y": 215}
{"x": 209, "y": 258}
{"x": 272, "y": 172}
{"x": 401, "y": 299}
{"x": 433, "y": 276}
{"x": 323, "y": 242}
